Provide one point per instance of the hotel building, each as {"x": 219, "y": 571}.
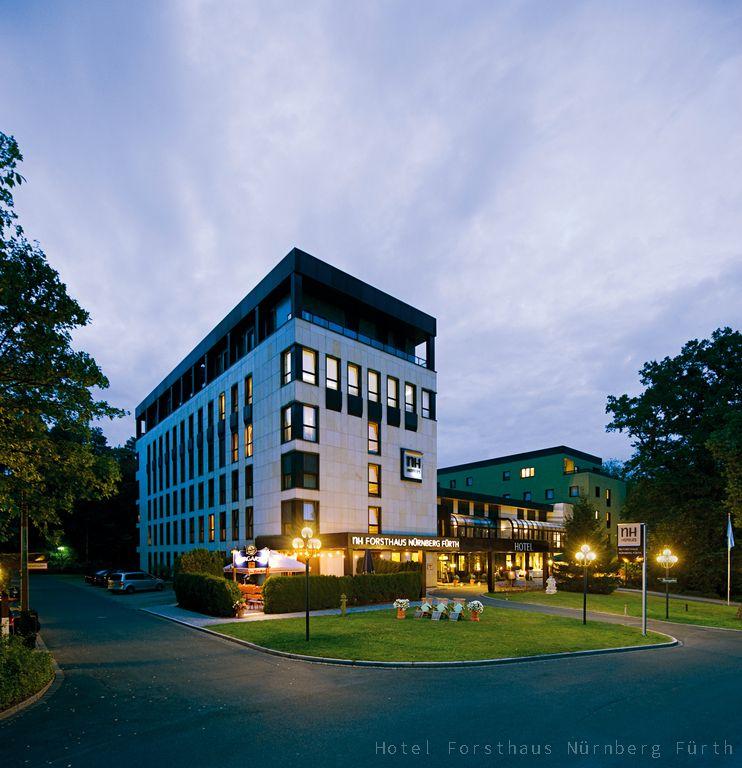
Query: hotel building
{"x": 312, "y": 403}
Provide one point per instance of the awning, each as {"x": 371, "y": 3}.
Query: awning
{"x": 473, "y": 520}
{"x": 525, "y": 526}
{"x": 266, "y": 560}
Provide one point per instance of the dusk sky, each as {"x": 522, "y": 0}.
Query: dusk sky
{"x": 560, "y": 184}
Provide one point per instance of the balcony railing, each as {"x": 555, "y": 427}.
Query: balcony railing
{"x": 350, "y": 334}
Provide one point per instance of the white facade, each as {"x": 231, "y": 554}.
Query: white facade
{"x": 343, "y": 448}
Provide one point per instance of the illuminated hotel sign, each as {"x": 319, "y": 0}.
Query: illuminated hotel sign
{"x": 412, "y": 465}
{"x": 523, "y": 546}
{"x": 375, "y": 541}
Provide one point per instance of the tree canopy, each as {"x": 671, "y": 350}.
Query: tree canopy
{"x": 686, "y": 469}
{"x": 47, "y": 388}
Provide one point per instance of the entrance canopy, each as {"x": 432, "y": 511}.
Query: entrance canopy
{"x": 265, "y": 560}
{"x": 528, "y": 526}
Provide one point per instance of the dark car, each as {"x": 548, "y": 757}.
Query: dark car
{"x": 99, "y": 578}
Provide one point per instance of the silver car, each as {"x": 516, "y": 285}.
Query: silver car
{"x": 133, "y": 581}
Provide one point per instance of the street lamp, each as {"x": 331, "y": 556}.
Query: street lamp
{"x": 666, "y": 559}
{"x": 307, "y": 547}
{"x": 584, "y": 557}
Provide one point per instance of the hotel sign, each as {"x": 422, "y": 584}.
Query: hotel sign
{"x": 412, "y": 465}
{"x": 630, "y": 539}
{"x": 380, "y": 541}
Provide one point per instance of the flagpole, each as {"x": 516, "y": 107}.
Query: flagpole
{"x": 729, "y": 559}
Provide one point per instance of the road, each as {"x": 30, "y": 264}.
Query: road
{"x": 139, "y": 691}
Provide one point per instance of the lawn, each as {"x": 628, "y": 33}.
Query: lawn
{"x": 380, "y": 636}
{"x": 709, "y": 614}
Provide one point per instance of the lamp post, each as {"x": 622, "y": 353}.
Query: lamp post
{"x": 584, "y": 557}
{"x": 666, "y": 559}
{"x": 307, "y": 547}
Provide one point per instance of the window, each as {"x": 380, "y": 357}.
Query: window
{"x": 308, "y": 366}
{"x": 374, "y": 519}
{"x": 505, "y": 495}
{"x": 235, "y": 525}
{"x": 574, "y": 491}
{"x": 234, "y": 402}
{"x": 354, "y": 378}
{"x": 235, "y": 485}
{"x": 286, "y": 432}
{"x": 549, "y": 493}
{"x": 608, "y": 497}
{"x": 392, "y": 392}
{"x": 527, "y": 496}
{"x": 248, "y": 481}
{"x": 300, "y": 422}
{"x": 212, "y": 500}
{"x": 597, "y": 491}
{"x": 410, "y": 397}
{"x": 235, "y": 446}
{"x": 287, "y": 366}
{"x": 222, "y": 489}
{"x": 373, "y": 386}
{"x": 521, "y": 514}
{"x": 569, "y": 466}
{"x": 470, "y": 481}
{"x": 299, "y": 470}
{"x": 374, "y": 480}
{"x": 428, "y": 404}
{"x": 200, "y": 495}
{"x": 222, "y": 526}
{"x": 248, "y": 389}
{"x": 212, "y": 529}
{"x": 506, "y": 475}
{"x": 451, "y": 483}
{"x": 298, "y": 513}
{"x": 374, "y": 444}
{"x": 309, "y": 423}
{"x": 332, "y": 372}
{"x": 201, "y": 530}
{"x": 527, "y": 472}
{"x": 249, "y": 523}
{"x": 248, "y": 441}
{"x": 607, "y": 519}
{"x": 222, "y": 406}
{"x": 192, "y": 531}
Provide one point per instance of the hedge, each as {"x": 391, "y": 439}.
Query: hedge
{"x": 213, "y": 595}
{"x": 200, "y": 561}
{"x": 285, "y": 594}
{"x": 596, "y": 585}
{"x": 23, "y": 672}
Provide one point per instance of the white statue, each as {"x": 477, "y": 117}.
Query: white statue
{"x": 551, "y": 586}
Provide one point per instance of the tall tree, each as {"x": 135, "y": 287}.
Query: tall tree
{"x": 685, "y": 469}
{"x": 47, "y": 402}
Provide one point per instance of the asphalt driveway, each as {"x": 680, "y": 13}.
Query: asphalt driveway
{"x": 141, "y": 691}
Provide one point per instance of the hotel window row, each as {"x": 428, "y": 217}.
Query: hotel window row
{"x": 173, "y": 533}
{"x": 300, "y": 363}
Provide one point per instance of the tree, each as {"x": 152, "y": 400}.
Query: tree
{"x": 685, "y": 469}
{"x": 47, "y": 401}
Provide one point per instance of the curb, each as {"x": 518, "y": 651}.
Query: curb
{"x": 620, "y": 615}
{"x": 50, "y": 688}
{"x": 429, "y": 664}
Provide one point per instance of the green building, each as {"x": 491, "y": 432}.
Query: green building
{"x": 551, "y": 476}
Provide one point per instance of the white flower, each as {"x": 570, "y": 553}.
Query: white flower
{"x": 401, "y": 603}
{"x": 475, "y": 606}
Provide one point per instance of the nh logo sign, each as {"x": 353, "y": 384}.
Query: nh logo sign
{"x": 630, "y": 538}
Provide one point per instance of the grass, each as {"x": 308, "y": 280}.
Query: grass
{"x": 710, "y": 614}
{"x": 380, "y": 636}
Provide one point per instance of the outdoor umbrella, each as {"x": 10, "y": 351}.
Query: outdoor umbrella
{"x": 368, "y": 562}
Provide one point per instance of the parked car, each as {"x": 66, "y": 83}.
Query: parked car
{"x": 99, "y": 578}
{"x": 133, "y": 581}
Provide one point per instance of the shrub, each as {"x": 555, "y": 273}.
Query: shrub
{"x": 201, "y": 592}
{"x": 285, "y": 594}
{"x": 23, "y": 672}
{"x": 200, "y": 561}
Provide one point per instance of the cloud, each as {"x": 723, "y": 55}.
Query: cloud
{"x": 559, "y": 186}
